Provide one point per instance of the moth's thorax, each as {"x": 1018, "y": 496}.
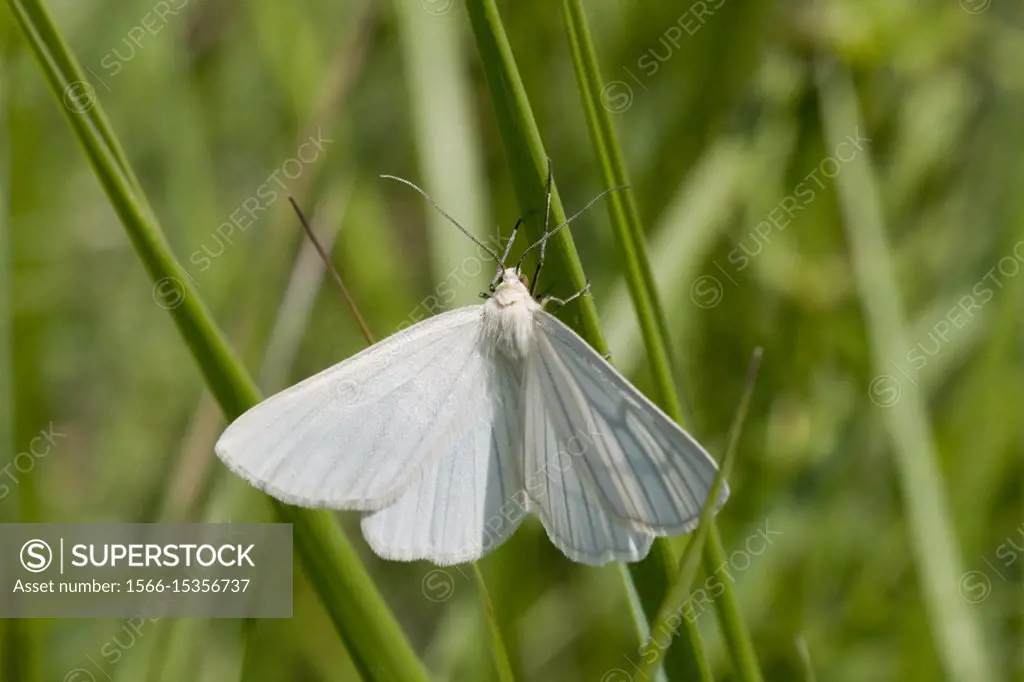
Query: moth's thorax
{"x": 508, "y": 315}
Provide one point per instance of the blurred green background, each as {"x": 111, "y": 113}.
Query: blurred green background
{"x": 224, "y": 106}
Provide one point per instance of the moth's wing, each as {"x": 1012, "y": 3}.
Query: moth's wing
{"x": 570, "y": 510}
{"x": 471, "y": 499}
{"x": 646, "y": 469}
{"x": 356, "y": 435}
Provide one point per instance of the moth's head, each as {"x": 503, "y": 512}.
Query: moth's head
{"x": 514, "y": 278}
{"x": 510, "y": 279}
{"x": 509, "y": 286}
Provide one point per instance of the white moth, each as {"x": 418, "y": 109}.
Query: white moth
{"x": 449, "y": 432}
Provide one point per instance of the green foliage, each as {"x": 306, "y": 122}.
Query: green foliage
{"x": 878, "y": 482}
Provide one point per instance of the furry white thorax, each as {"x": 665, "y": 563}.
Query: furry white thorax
{"x": 508, "y": 315}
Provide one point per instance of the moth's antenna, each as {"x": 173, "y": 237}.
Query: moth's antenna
{"x": 330, "y": 266}
{"x": 511, "y": 239}
{"x": 574, "y": 216}
{"x": 504, "y": 255}
{"x": 547, "y": 198}
{"x": 508, "y": 249}
{"x": 547, "y": 217}
{"x": 452, "y": 220}
{"x": 512, "y": 236}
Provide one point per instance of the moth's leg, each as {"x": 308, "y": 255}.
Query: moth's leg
{"x": 561, "y": 301}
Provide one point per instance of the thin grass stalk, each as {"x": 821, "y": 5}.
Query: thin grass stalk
{"x": 498, "y": 649}
{"x": 502, "y": 663}
{"x": 622, "y": 210}
{"x": 377, "y": 645}
{"x": 651, "y": 577}
{"x": 730, "y": 616}
{"x": 219, "y": 497}
{"x": 671, "y": 610}
{"x": 527, "y": 162}
{"x": 528, "y": 165}
{"x": 705, "y": 202}
{"x": 630, "y": 238}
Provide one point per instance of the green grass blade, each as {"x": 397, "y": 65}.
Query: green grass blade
{"x": 958, "y": 634}
{"x": 528, "y": 164}
{"x": 376, "y": 643}
{"x": 622, "y": 210}
{"x": 651, "y": 577}
{"x": 678, "y": 593}
{"x": 685, "y": 658}
{"x": 630, "y": 238}
{"x": 730, "y": 616}
{"x": 527, "y": 160}
{"x": 705, "y": 202}
{"x": 502, "y": 664}
{"x": 20, "y": 651}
